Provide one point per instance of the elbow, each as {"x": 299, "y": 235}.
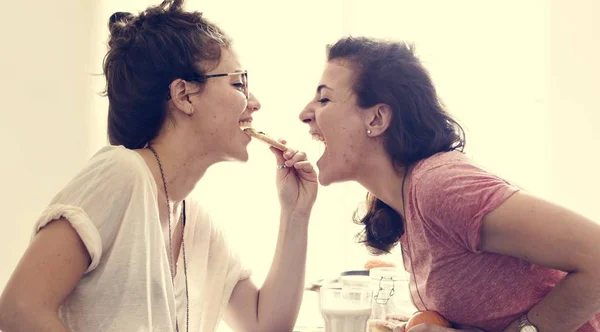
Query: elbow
{"x": 589, "y": 272}
{"x": 7, "y": 315}
{"x": 14, "y": 314}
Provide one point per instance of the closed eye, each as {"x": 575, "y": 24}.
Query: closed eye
{"x": 239, "y": 85}
{"x": 323, "y": 101}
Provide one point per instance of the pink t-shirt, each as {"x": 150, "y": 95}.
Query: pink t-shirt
{"x": 447, "y": 198}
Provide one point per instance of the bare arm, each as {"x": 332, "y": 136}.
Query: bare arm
{"x": 48, "y": 271}
{"x": 275, "y": 306}
{"x": 549, "y": 235}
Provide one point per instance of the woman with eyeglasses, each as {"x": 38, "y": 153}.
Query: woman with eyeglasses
{"x": 122, "y": 247}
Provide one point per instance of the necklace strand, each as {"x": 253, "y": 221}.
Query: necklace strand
{"x": 171, "y": 262}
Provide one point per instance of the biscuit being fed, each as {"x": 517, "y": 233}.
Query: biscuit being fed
{"x": 265, "y": 138}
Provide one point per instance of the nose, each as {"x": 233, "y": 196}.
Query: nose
{"x": 253, "y": 103}
{"x": 307, "y": 115}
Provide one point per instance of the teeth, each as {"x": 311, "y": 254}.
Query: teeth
{"x": 245, "y": 124}
{"x": 318, "y": 137}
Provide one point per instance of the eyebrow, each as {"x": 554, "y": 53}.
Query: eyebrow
{"x": 320, "y": 87}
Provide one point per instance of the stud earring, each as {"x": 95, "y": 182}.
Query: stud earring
{"x": 368, "y": 131}
{"x": 191, "y": 111}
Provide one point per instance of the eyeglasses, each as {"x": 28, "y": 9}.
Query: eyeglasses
{"x": 243, "y": 74}
{"x": 203, "y": 78}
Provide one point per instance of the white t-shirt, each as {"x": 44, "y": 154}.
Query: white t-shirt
{"x": 112, "y": 204}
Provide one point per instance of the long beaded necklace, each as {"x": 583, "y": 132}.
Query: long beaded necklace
{"x": 171, "y": 262}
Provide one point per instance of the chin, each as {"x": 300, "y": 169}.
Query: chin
{"x": 325, "y": 180}
{"x": 326, "y": 177}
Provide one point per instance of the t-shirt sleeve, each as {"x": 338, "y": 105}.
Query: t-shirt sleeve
{"x": 454, "y": 197}
{"x": 95, "y": 201}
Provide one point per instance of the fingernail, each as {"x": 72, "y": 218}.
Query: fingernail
{"x": 288, "y": 154}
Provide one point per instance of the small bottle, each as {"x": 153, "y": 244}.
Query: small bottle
{"x": 391, "y": 294}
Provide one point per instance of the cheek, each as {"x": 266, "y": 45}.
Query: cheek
{"x": 228, "y": 102}
{"x": 236, "y": 101}
{"x": 228, "y": 110}
{"x": 348, "y": 146}
{"x": 344, "y": 132}
{"x": 351, "y": 150}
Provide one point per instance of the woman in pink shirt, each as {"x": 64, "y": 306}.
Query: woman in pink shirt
{"x": 481, "y": 252}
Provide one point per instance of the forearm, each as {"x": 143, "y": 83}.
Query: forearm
{"x": 280, "y": 296}
{"x": 569, "y": 305}
{"x": 38, "y": 321}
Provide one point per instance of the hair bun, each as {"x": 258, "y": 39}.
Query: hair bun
{"x": 119, "y": 17}
{"x": 122, "y": 32}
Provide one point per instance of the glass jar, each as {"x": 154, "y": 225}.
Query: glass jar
{"x": 391, "y": 294}
{"x": 345, "y": 309}
{"x": 355, "y": 281}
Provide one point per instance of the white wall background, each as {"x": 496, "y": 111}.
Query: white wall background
{"x": 522, "y": 76}
{"x": 45, "y": 122}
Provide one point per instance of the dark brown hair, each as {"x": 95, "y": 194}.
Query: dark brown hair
{"x": 390, "y": 73}
{"x": 146, "y": 53}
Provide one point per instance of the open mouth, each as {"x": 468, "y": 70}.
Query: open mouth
{"x": 318, "y": 137}
{"x": 245, "y": 124}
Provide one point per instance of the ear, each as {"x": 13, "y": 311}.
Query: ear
{"x": 180, "y": 91}
{"x": 377, "y": 119}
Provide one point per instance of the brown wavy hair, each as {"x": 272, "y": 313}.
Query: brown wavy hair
{"x": 146, "y": 53}
{"x": 389, "y": 72}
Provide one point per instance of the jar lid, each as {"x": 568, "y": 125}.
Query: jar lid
{"x": 355, "y": 281}
{"x": 355, "y": 273}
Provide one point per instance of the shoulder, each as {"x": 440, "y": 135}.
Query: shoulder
{"x": 111, "y": 173}
{"x": 115, "y": 164}
{"x": 451, "y": 186}
{"x": 450, "y": 168}
{"x": 441, "y": 164}
{"x": 452, "y": 179}
{"x": 118, "y": 158}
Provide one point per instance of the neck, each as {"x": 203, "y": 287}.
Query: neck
{"x": 384, "y": 181}
{"x": 183, "y": 166}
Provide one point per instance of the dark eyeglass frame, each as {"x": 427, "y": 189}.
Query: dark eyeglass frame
{"x": 203, "y": 78}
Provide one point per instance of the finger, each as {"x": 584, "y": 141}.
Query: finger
{"x": 296, "y": 157}
{"x": 304, "y": 166}
{"x": 279, "y": 158}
